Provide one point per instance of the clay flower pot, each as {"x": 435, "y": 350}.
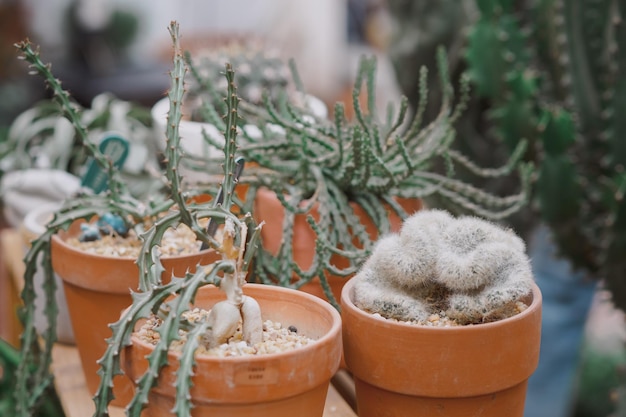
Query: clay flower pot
{"x": 401, "y": 369}
{"x": 269, "y": 208}
{"x": 97, "y": 288}
{"x": 286, "y": 384}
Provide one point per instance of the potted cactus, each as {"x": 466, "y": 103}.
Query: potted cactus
{"x": 452, "y": 303}
{"x": 91, "y": 282}
{"x": 156, "y": 284}
{"x": 298, "y": 377}
{"x": 173, "y": 381}
{"x": 347, "y": 181}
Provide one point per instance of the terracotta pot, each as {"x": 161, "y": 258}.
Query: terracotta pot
{"x": 97, "y": 289}
{"x": 286, "y": 384}
{"x": 269, "y": 208}
{"x": 401, "y": 369}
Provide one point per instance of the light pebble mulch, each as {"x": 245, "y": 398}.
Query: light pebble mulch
{"x": 176, "y": 242}
{"x": 441, "y": 320}
{"x": 276, "y": 338}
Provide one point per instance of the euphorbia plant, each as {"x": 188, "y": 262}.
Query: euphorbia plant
{"x": 172, "y": 208}
{"x": 236, "y": 245}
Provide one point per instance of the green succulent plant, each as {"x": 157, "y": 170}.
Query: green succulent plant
{"x": 553, "y": 71}
{"x": 33, "y": 377}
{"x": 258, "y": 71}
{"x": 371, "y": 161}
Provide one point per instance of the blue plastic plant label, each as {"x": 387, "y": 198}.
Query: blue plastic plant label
{"x": 114, "y": 147}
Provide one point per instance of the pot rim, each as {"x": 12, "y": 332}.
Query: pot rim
{"x": 462, "y": 361}
{"x": 346, "y": 298}
{"x": 252, "y": 379}
{"x": 326, "y": 338}
{"x": 60, "y": 237}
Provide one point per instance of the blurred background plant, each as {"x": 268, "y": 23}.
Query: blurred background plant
{"x": 260, "y": 70}
{"x": 551, "y": 72}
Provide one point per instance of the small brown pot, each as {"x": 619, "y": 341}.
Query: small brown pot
{"x": 287, "y": 384}
{"x": 268, "y": 208}
{"x": 401, "y": 369}
{"x": 97, "y": 289}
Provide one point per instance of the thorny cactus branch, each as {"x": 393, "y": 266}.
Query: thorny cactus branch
{"x": 72, "y": 112}
{"x": 174, "y": 116}
{"x": 237, "y": 251}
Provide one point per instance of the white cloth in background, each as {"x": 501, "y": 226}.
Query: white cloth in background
{"x": 23, "y": 190}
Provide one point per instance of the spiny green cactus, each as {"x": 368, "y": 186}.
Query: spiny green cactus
{"x": 473, "y": 270}
{"x": 237, "y": 250}
{"x": 258, "y": 70}
{"x": 329, "y": 164}
{"x": 554, "y": 72}
{"x": 32, "y": 377}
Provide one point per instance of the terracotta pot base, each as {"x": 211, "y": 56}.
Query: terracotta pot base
{"x": 374, "y": 402}
{"x": 91, "y": 331}
{"x": 306, "y": 404}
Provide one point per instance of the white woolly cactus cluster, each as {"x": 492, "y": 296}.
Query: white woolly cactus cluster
{"x": 472, "y": 270}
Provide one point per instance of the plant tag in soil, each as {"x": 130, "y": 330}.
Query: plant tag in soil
{"x": 114, "y": 147}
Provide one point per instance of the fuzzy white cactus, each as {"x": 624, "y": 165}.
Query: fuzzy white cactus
{"x": 473, "y": 270}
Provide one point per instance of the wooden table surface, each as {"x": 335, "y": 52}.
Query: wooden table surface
{"x": 66, "y": 366}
